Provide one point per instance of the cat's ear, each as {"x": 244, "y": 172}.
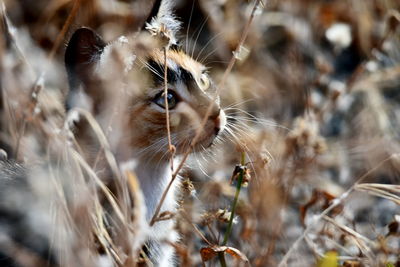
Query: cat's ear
{"x": 83, "y": 51}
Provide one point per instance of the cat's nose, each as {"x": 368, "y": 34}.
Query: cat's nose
{"x": 217, "y": 125}
{"x": 215, "y": 113}
{"x": 215, "y": 117}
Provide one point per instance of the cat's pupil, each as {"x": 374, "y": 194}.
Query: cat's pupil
{"x": 171, "y": 99}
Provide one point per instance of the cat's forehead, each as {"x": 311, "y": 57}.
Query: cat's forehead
{"x": 177, "y": 60}
{"x": 123, "y": 52}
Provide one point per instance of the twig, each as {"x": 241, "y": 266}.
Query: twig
{"x": 61, "y": 35}
{"x": 170, "y": 146}
{"x": 201, "y": 235}
{"x": 34, "y": 93}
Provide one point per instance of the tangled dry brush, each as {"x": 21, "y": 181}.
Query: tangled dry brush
{"x": 313, "y": 104}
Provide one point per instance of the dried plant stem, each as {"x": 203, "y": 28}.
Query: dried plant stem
{"x": 170, "y": 146}
{"x": 38, "y": 86}
{"x": 234, "y": 205}
{"x": 208, "y": 112}
{"x": 239, "y": 46}
{"x": 200, "y": 234}
{"x": 34, "y": 93}
{"x": 21, "y": 133}
{"x": 61, "y": 35}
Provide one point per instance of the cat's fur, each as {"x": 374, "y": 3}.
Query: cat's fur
{"x": 141, "y": 124}
{"x": 124, "y": 74}
{"x": 121, "y": 84}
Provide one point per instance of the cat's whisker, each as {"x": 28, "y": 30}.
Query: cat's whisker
{"x": 203, "y": 60}
{"x": 242, "y": 145}
{"x": 147, "y": 65}
{"x": 214, "y": 61}
{"x": 201, "y": 167}
{"x": 231, "y": 129}
{"x": 188, "y": 27}
{"x": 164, "y": 157}
{"x": 206, "y": 45}
{"x": 167, "y": 152}
{"x": 155, "y": 143}
{"x": 151, "y": 68}
{"x": 252, "y": 118}
{"x": 238, "y": 128}
{"x": 233, "y": 105}
{"x": 163, "y": 146}
{"x": 158, "y": 143}
{"x": 218, "y": 140}
{"x": 198, "y": 35}
{"x": 204, "y": 152}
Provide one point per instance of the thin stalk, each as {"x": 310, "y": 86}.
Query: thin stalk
{"x": 234, "y": 205}
{"x": 68, "y": 22}
{"x": 235, "y": 200}
{"x": 167, "y": 122}
{"x": 170, "y": 146}
{"x": 221, "y": 257}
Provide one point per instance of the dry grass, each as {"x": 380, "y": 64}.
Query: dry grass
{"x": 312, "y": 95}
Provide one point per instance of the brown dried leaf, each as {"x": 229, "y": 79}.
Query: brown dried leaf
{"x": 318, "y": 195}
{"x": 246, "y": 175}
{"x": 237, "y": 254}
{"x": 165, "y": 215}
{"x": 207, "y": 253}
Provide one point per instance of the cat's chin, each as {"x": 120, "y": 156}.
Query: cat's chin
{"x": 208, "y": 138}
{"x": 205, "y": 142}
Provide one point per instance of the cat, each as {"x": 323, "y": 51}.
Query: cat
{"x": 121, "y": 84}
{"x": 143, "y": 135}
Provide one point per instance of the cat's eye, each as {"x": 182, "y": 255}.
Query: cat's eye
{"x": 204, "y": 82}
{"x": 172, "y": 99}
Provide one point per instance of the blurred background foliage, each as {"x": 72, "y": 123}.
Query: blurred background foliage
{"x": 313, "y": 101}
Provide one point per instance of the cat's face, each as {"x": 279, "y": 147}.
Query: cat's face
{"x": 190, "y": 93}
{"x": 120, "y": 69}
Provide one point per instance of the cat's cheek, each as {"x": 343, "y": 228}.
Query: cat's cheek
{"x": 208, "y": 135}
{"x": 175, "y": 119}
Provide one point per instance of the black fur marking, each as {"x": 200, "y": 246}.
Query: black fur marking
{"x": 15, "y": 222}
{"x": 84, "y": 48}
{"x": 185, "y": 75}
{"x": 172, "y": 76}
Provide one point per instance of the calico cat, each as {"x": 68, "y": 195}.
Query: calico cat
{"x": 141, "y": 124}
{"x": 122, "y": 85}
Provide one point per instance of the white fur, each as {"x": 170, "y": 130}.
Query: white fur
{"x": 80, "y": 99}
{"x": 153, "y": 182}
{"x": 165, "y": 22}
{"x": 107, "y": 64}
